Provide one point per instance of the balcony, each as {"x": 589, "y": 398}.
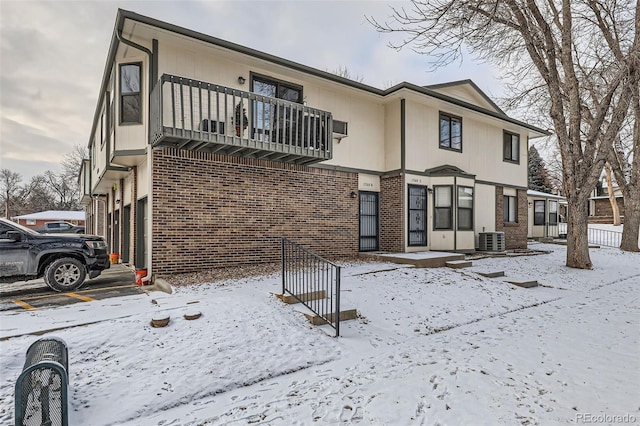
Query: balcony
{"x": 195, "y": 115}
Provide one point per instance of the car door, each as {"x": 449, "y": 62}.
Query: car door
{"x": 14, "y": 255}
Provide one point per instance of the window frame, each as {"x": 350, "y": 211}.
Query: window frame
{"x": 121, "y": 95}
{"x": 471, "y": 209}
{"x": 450, "y": 118}
{"x": 507, "y": 200}
{"x": 543, "y": 213}
{"x": 423, "y": 242}
{"x": 509, "y": 143}
{"x": 436, "y": 208}
{"x": 553, "y": 214}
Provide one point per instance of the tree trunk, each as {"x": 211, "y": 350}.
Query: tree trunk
{"x": 631, "y": 229}
{"x": 612, "y": 197}
{"x": 577, "y": 240}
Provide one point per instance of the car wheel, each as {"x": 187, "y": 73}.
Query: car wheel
{"x": 65, "y": 274}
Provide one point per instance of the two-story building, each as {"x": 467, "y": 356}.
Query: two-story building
{"x": 204, "y": 153}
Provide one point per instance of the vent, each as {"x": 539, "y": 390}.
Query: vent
{"x": 339, "y": 129}
{"x": 491, "y": 241}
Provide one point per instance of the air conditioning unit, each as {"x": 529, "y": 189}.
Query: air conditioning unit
{"x": 491, "y": 241}
{"x": 339, "y": 129}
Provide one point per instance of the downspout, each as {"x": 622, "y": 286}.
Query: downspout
{"x": 403, "y": 169}
{"x": 152, "y": 65}
{"x": 454, "y": 196}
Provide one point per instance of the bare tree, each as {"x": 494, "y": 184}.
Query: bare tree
{"x": 625, "y": 163}
{"x": 10, "y": 185}
{"x": 615, "y": 210}
{"x": 342, "y": 71}
{"x": 563, "y": 49}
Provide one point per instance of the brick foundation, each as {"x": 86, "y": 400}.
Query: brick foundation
{"x": 212, "y": 210}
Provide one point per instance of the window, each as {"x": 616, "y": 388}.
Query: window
{"x": 450, "y": 132}
{"x": 130, "y": 95}
{"x": 442, "y": 207}
{"x": 465, "y": 208}
{"x": 510, "y": 208}
{"x": 417, "y": 215}
{"x": 553, "y": 212}
{"x": 538, "y": 212}
{"x": 266, "y": 117}
{"x": 511, "y": 147}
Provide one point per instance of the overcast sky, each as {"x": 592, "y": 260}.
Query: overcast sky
{"x": 53, "y": 54}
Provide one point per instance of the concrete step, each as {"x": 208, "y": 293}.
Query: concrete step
{"x": 490, "y": 274}
{"x": 304, "y": 297}
{"x": 346, "y": 315}
{"x": 522, "y": 282}
{"x": 457, "y": 264}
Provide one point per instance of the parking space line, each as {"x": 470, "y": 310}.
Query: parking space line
{"x": 79, "y": 296}
{"x": 89, "y": 290}
{"x": 24, "y": 305}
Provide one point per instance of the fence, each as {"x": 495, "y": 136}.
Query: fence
{"x": 313, "y": 281}
{"x": 602, "y": 237}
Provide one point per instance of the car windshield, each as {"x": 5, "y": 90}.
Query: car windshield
{"x": 20, "y": 227}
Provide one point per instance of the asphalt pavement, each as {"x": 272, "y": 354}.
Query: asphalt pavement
{"x": 118, "y": 280}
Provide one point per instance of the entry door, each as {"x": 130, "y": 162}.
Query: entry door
{"x": 369, "y": 221}
{"x": 141, "y": 234}
{"x": 417, "y": 215}
{"x": 116, "y": 232}
{"x": 126, "y": 237}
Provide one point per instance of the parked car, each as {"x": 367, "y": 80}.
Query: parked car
{"x": 64, "y": 260}
{"x": 61, "y": 227}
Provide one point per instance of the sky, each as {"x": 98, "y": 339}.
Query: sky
{"x": 430, "y": 346}
{"x": 52, "y": 56}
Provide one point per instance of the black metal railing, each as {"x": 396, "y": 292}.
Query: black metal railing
{"x": 601, "y": 237}
{"x": 313, "y": 281}
{"x": 196, "y": 115}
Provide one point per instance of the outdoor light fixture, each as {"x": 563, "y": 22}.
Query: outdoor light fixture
{"x": 241, "y": 80}
{"x": 353, "y": 194}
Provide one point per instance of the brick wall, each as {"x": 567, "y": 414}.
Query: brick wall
{"x": 392, "y": 213}
{"x": 515, "y": 234}
{"x": 212, "y": 210}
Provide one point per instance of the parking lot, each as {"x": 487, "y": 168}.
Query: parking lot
{"x": 117, "y": 281}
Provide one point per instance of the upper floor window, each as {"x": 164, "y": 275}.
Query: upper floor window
{"x": 465, "y": 208}
{"x": 511, "y": 147}
{"x": 443, "y": 207}
{"x": 510, "y": 205}
{"x": 130, "y": 94}
{"x": 450, "y": 132}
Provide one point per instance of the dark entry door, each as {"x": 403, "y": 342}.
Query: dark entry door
{"x": 141, "y": 234}
{"x": 126, "y": 229}
{"x": 116, "y": 231}
{"x": 417, "y": 215}
{"x": 369, "y": 221}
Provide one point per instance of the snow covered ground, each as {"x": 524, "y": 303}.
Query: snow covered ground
{"x": 431, "y": 346}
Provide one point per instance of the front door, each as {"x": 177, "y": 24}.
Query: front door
{"x": 369, "y": 228}
{"x": 417, "y": 215}
{"x": 126, "y": 238}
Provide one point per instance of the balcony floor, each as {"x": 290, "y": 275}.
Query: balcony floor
{"x": 238, "y": 146}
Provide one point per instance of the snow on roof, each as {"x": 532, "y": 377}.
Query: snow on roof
{"x": 54, "y": 215}
{"x": 532, "y": 193}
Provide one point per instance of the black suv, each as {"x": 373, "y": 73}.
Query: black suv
{"x": 64, "y": 260}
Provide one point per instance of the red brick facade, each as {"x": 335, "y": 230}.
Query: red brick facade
{"x": 392, "y": 213}
{"x": 212, "y": 210}
{"x": 515, "y": 233}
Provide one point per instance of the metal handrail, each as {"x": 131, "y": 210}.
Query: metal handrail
{"x": 305, "y": 276}
{"x": 602, "y": 237}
